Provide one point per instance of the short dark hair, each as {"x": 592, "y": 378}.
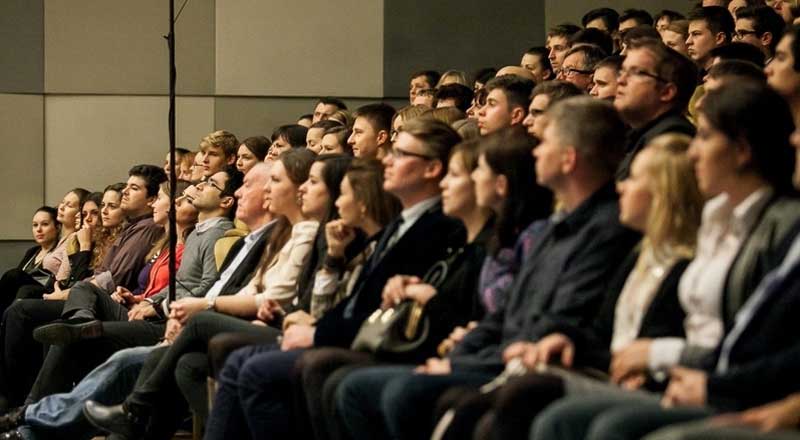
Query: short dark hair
{"x": 326, "y": 124}
{"x": 593, "y": 37}
{"x": 641, "y": 32}
{"x": 517, "y": 89}
{"x": 258, "y": 145}
{"x": 639, "y": 15}
{"x": 738, "y": 69}
{"x": 672, "y": 67}
{"x": 152, "y": 175}
{"x": 765, "y": 19}
{"x": 739, "y": 51}
{"x": 431, "y": 76}
{"x": 565, "y": 30}
{"x": 342, "y": 133}
{"x": 609, "y": 16}
{"x": 379, "y": 115}
{"x": 294, "y": 134}
{"x": 556, "y": 91}
{"x": 461, "y": 94}
{"x": 670, "y": 14}
{"x": 613, "y": 61}
{"x": 485, "y": 74}
{"x": 329, "y": 100}
{"x": 235, "y": 179}
{"x": 793, "y": 32}
{"x": 755, "y": 113}
{"x": 305, "y": 116}
{"x": 717, "y": 18}
{"x": 591, "y": 55}
{"x": 543, "y": 54}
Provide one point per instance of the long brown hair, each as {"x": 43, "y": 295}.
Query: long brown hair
{"x": 104, "y": 236}
{"x": 297, "y": 162}
{"x": 163, "y": 242}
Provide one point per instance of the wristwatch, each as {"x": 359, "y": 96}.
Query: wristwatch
{"x": 211, "y": 304}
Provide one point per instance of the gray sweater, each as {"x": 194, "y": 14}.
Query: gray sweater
{"x": 198, "y": 269}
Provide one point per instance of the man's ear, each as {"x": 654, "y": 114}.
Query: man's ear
{"x": 232, "y": 159}
{"x": 569, "y": 159}
{"x": 434, "y": 169}
{"x": 383, "y": 137}
{"x": 517, "y": 115}
{"x": 669, "y": 92}
{"x": 766, "y": 39}
{"x": 720, "y": 39}
{"x": 151, "y": 200}
{"x": 226, "y": 202}
{"x": 743, "y": 155}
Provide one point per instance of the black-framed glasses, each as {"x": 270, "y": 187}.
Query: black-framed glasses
{"x": 571, "y": 71}
{"x": 633, "y": 71}
{"x": 398, "y": 153}
{"x": 741, "y": 34}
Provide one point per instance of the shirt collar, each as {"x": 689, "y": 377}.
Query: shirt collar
{"x": 208, "y": 223}
{"x": 256, "y": 235}
{"x": 742, "y": 216}
{"x": 410, "y": 215}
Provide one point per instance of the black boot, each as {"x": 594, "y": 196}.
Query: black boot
{"x": 117, "y": 419}
{"x": 68, "y": 332}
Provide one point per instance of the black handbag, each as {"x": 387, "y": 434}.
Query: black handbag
{"x": 43, "y": 277}
{"x": 403, "y": 328}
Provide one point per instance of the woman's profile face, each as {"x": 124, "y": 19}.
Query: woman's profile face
{"x": 68, "y": 209}
{"x": 111, "y": 210}
{"x": 245, "y": 159}
{"x": 714, "y": 159}
{"x": 635, "y": 193}
{"x": 314, "y": 194}
{"x": 351, "y": 211}
{"x": 280, "y": 192}
{"x": 90, "y": 213}
{"x": 458, "y": 189}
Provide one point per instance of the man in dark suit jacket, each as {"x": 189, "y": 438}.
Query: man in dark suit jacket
{"x": 653, "y": 91}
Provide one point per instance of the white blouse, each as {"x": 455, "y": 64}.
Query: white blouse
{"x": 723, "y": 230}
{"x": 280, "y": 277}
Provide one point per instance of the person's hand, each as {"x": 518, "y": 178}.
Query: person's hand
{"x": 84, "y": 236}
{"x": 268, "y": 310}
{"x": 174, "y": 328}
{"x": 124, "y": 296}
{"x": 421, "y": 292}
{"x": 549, "y": 347}
{"x": 299, "y": 317}
{"x": 687, "y": 387}
{"x": 783, "y": 414}
{"x": 185, "y": 308}
{"x": 338, "y": 236}
{"x": 435, "y": 366}
{"x": 298, "y": 336}
{"x": 141, "y": 311}
{"x": 634, "y": 381}
{"x": 631, "y": 360}
{"x": 458, "y": 333}
{"x": 78, "y": 218}
{"x": 394, "y": 291}
{"x": 517, "y": 350}
{"x": 57, "y": 295}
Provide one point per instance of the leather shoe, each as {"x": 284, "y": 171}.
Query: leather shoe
{"x": 114, "y": 419}
{"x": 65, "y": 333}
{"x": 11, "y": 435}
{"x": 12, "y": 419}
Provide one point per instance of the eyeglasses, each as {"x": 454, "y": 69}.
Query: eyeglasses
{"x": 571, "y": 71}
{"x": 633, "y": 71}
{"x": 398, "y": 153}
{"x": 741, "y": 34}
{"x": 210, "y": 183}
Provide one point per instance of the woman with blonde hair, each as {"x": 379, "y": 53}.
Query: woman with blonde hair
{"x": 662, "y": 200}
{"x": 404, "y": 115}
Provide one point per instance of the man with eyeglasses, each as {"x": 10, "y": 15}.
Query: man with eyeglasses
{"x": 654, "y": 87}
{"x": 760, "y": 26}
{"x": 579, "y": 64}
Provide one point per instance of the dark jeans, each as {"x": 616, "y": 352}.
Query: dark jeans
{"x": 156, "y": 392}
{"x": 254, "y": 396}
{"x": 319, "y": 370}
{"x": 65, "y": 365}
{"x": 22, "y": 355}
{"x": 89, "y": 301}
{"x": 394, "y": 402}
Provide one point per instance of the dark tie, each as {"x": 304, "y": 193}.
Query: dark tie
{"x": 384, "y": 244}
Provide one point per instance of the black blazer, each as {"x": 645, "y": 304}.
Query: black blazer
{"x": 664, "y": 317}
{"x": 426, "y": 242}
{"x": 765, "y": 359}
{"x": 247, "y": 269}
{"x": 28, "y": 255}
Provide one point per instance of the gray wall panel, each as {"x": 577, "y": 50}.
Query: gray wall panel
{"x": 116, "y": 47}
{"x": 303, "y": 48}
{"x": 93, "y": 141}
{"x": 21, "y": 46}
{"x": 22, "y": 179}
{"x": 456, "y": 34}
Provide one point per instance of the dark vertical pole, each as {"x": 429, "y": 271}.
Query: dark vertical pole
{"x": 173, "y": 233}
